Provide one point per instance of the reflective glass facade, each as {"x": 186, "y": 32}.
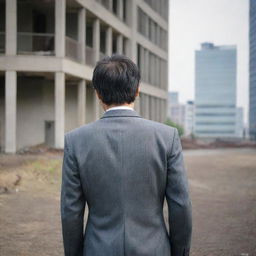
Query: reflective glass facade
{"x": 215, "y": 94}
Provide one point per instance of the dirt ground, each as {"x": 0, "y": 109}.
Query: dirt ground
{"x": 223, "y": 192}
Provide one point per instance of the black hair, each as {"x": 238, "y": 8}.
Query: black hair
{"x": 116, "y": 79}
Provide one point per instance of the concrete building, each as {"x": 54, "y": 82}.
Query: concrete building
{"x": 48, "y": 49}
{"x": 252, "y": 86}
{"x": 215, "y": 94}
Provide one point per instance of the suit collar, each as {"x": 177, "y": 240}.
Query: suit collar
{"x": 120, "y": 113}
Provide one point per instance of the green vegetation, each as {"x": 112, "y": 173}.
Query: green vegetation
{"x": 179, "y": 128}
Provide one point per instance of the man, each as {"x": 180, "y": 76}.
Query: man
{"x": 123, "y": 166}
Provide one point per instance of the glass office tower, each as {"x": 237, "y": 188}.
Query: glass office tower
{"x": 215, "y": 91}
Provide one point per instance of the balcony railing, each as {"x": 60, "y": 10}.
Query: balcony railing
{"x": 73, "y": 49}
{"x": 90, "y": 56}
{"x": 2, "y": 42}
{"x": 35, "y": 43}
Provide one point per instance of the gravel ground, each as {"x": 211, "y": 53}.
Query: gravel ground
{"x": 223, "y": 192}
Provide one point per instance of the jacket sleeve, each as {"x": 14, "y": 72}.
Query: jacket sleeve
{"x": 178, "y": 201}
{"x": 72, "y": 204}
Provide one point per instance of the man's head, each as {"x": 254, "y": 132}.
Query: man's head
{"x": 116, "y": 80}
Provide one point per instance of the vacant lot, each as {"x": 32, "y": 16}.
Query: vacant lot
{"x": 223, "y": 192}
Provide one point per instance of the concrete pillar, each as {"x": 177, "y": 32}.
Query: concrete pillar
{"x": 60, "y": 27}
{"x": 81, "y": 102}
{"x": 10, "y": 111}
{"x": 96, "y": 39}
{"x": 81, "y": 33}
{"x": 120, "y": 44}
{"x": 146, "y": 106}
{"x": 165, "y": 109}
{"x": 137, "y": 104}
{"x": 142, "y": 63}
{"x": 157, "y": 72}
{"x": 133, "y": 22}
{"x": 147, "y": 66}
{"x": 11, "y": 27}
{"x": 163, "y": 112}
{"x": 59, "y": 95}
{"x": 120, "y": 7}
{"x": 96, "y": 45}
{"x": 110, "y": 5}
{"x": 153, "y": 108}
{"x": 109, "y": 41}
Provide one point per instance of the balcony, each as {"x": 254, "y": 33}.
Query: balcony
{"x": 43, "y": 44}
{"x": 90, "y": 56}
{"x": 73, "y": 49}
{"x": 35, "y": 43}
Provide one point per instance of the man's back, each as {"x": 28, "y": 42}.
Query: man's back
{"x": 123, "y": 166}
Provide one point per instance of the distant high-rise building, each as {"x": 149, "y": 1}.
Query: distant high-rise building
{"x": 182, "y": 114}
{"x": 252, "y": 90}
{"x": 176, "y": 110}
{"x": 215, "y": 92}
{"x": 173, "y": 98}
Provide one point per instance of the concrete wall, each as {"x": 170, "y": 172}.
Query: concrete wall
{"x": 70, "y": 106}
{"x": 30, "y": 128}
{"x": 35, "y": 105}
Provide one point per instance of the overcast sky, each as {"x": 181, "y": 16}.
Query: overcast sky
{"x": 194, "y": 21}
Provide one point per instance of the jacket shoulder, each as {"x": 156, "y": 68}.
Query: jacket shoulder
{"x": 76, "y": 132}
{"x": 161, "y": 127}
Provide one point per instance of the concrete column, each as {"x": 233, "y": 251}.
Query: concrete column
{"x": 165, "y": 109}
{"x": 110, "y": 5}
{"x": 153, "y": 108}
{"x": 147, "y": 66}
{"x": 81, "y": 102}
{"x": 163, "y": 112}
{"x": 60, "y": 27}
{"x": 96, "y": 39}
{"x": 10, "y": 111}
{"x": 11, "y": 27}
{"x": 109, "y": 41}
{"x": 59, "y": 94}
{"x": 133, "y": 22}
{"x": 157, "y": 72}
{"x": 81, "y": 33}
{"x": 120, "y": 7}
{"x": 146, "y": 106}
{"x": 137, "y": 104}
{"x": 142, "y": 63}
{"x": 120, "y": 44}
{"x": 96, "y": 45}
{"x": 96, "y": 106}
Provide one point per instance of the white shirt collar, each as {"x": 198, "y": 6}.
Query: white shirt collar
{"x": 119, "y": 107}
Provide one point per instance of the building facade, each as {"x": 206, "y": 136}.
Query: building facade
{"x": 252, "y": 67}
{"x": 215, "y": 92}
{"x": 47, "y": 53}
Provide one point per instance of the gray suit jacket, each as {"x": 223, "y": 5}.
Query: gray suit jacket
{"x": 123, "y": 166}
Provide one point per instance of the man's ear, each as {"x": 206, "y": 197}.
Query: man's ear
{"x": 138, "y": 91}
